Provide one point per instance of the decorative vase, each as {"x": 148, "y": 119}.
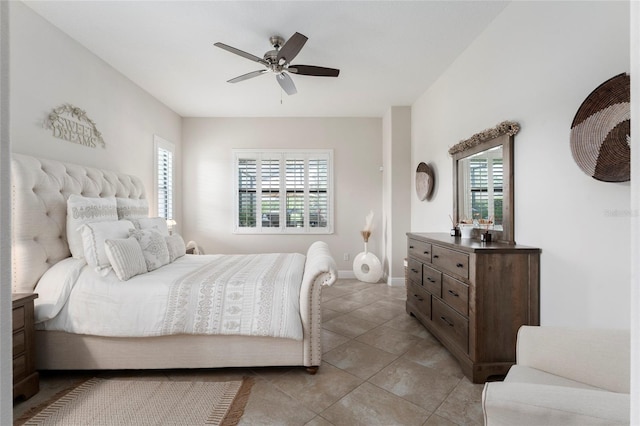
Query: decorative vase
{"x": 366, "y": 266}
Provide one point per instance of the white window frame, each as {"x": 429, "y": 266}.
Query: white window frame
{"x": 158, "y": 145}
{"x": 265, "y": 154}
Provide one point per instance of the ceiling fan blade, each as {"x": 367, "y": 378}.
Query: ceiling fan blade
{"x": 246, "y": 76}
{"x": 286, "y": 83}
{"x": 291, "y": 47}
{"x": 241, "y": 53}
{"x": 313, "y": 70}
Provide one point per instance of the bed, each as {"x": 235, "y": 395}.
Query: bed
{"x": 42, "y": 262}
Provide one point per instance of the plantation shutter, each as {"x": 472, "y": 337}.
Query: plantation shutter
{"x": 164, "y": 178}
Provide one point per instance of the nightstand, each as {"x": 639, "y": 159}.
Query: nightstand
{"x": 25, "y": 377}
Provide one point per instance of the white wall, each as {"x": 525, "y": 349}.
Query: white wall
{"x": 535, "y": 64}
{"x": 6, "y": 346}
{"x": 48, "y": 69}
{"x": 396, "y": 157}
{"x": 208, "y": 185}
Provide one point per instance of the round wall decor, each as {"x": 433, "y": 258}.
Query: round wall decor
{"x": 425, "y": 179}
{"x": 601, "y": 129}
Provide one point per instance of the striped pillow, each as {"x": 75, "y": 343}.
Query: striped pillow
{"x": 126, "y": 257}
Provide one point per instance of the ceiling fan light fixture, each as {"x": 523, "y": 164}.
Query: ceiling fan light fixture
{"x": 278, "y": 60}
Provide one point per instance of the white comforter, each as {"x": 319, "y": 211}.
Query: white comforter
{"x": 211, "y": 294}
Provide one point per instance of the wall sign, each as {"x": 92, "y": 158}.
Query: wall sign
{"x": 72, "y": 124}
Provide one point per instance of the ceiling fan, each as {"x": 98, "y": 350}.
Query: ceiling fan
{"x": 278, "y": 62}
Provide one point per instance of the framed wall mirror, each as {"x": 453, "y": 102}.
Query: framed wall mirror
{"x": 483, "y": 189}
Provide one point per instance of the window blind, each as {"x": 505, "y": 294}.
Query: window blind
{"x": 283, "y": 191}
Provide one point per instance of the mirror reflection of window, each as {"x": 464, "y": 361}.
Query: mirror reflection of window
{"x": 482, "y": 187}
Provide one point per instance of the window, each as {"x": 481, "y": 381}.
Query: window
{"x": 283, "y": 191}
{"x": 163, "y": 165}
{"x": 486, "y": 188}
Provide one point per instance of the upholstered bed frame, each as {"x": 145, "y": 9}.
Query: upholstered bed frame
{"x": 40, "y": 190}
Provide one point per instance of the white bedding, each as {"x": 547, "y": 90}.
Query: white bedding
{"x": 209, "y": 294}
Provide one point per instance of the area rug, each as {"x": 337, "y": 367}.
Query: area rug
{"x": 142, "y": 402}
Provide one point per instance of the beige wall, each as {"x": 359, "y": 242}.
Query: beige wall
{"x": 208, "y": 180}
{"x": 396, "y": 141}
{"x": 535, "y": 64}
{"x": 48, "y": 69}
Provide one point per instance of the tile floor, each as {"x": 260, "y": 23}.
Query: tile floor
{"x": 380, "y": 367}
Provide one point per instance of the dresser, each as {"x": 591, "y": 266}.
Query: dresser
{"x": 473, "y": 297}
{"x": 25, "y": 377}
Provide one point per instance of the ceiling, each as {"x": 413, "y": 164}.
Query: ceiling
{"x": 388, "y": 52}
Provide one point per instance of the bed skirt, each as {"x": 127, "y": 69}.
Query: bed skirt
{"x": 57, "y": 350}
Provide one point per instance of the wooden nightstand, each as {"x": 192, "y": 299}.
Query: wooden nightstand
{"x": 25, "y": 377}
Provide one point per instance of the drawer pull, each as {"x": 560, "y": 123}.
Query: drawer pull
{"x": 449, "y": 323}
{"x": 415, "y": 271}
{"x": 431, "y": 280}
{"x": 418, "y": 297}
{"x": 435, "y": 256}
{"x": 410, "y": 247}
{"x": 425, "y": 252}
{"x": 459, "y": 265}
{"x": 453, "y": 293}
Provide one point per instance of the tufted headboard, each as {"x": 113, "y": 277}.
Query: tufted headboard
{"x": 40, "y": 189}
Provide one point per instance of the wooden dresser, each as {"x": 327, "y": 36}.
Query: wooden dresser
{"x": 473, "y": 297}
{"x": 25, "y": 377}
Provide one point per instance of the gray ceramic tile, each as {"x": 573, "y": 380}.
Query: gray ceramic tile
{"x": 317, "y": 392}
{"x": 359, "y": 359}
{"x": 329, "y": 314}
{"x": 464, "y": 405}
{"x": 348, "y": 325}
{"x": 319, "y": 421}
{"x": 341, "y": 304}
{"x": 369, "y": 405}
{"x": 409, "y": 324}
{"x": 268, "y": 405}
{"x": 375, "y": 313}
{"x": 422, "y": 386}
{"x": 430, "y": 353}
{"x": 331, "y": 340}
{"x": 436, "y": 420}
{"x": 389, "y": 340}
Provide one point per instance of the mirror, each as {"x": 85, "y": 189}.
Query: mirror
{"x": 483, "y": 183}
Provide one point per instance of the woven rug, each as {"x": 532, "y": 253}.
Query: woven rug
{"x": 136, "y": 402}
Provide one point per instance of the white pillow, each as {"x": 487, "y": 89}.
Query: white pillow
{"x": 129, "y": 208}
{"x": 158, "y": 224}
{"x": 81, "y": 210}
{"x": 95, "y": 234}
{"x": 126, "y": 258}
{"x": 55, "y": 286}
{"x": 154, "y": 248}
{"x": 176, "y": 246}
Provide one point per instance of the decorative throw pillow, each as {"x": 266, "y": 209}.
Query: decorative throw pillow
{"x": 126, "y": 258}
{"x": 129, "y": 208}
{"x": 176, "y": 246}
{"x": 158, "y": 224}
{"x": 154, "y": 247}
{"x": 81, "y": 210}
{"x": 95, "y": 234}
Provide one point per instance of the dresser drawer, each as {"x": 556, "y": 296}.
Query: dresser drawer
{"x": 451, "y": 324}
{"x": 432, "y": 280}
{"x": 18, "y": 343}
{"x": 19, "y": 367}
{"x": 456, "y": 294}
{"x": 18, "y": 318}
{"x": 414, "y": 271}
{"x": 419, "y": 250}
{"x": 451, "y": 260}
{"x": 419, "y": 299}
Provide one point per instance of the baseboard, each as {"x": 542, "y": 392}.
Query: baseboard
{"x": 393, "y": 282}
{"x": 346, "y": 275}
